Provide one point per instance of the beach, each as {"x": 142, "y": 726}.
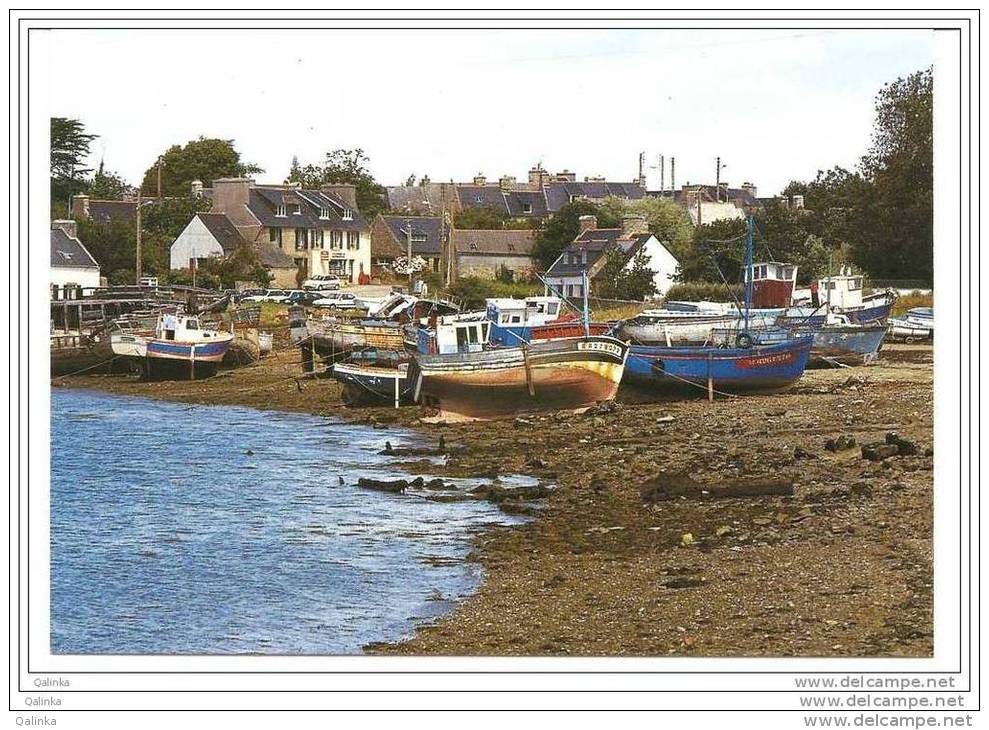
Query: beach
{"x": 642, "y": 548}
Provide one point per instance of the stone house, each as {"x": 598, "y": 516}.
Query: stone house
{"x": 488, "y": 254}
{"x": 390, "y": 239}
{"x": 213, "y": 235}
{"x": 321, "y": 230}
{"x": 589, "y": 252}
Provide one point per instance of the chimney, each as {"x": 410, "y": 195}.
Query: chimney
{"x": 231, "y": 194}
{"x": 634, "y": 224}
{"x": 346, "y": 192}
{"x": 197, "y": 188}
{"x": 587, "y": 223}
{"x": 80, "y": 207}
{"x": 749, "y": 188}
{"x": 69, "y": 226}
{"x": 536, "y": 176}
{"x": 798, "y": 201}
{"x": 479, "y": 179}
{"x": 506, "y": 182}
{"x": 594, "y": 178}
{"x": 566, "y": 176}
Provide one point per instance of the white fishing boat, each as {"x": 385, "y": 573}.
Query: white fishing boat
{"x": 916, "y": 325}
{"x": 177, "y": 345}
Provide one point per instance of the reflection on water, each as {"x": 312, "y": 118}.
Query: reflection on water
{"x": 215, "y": 529}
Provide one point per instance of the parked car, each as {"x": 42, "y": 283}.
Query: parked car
{"x": 338, "y": 300}
{"x": 241, "y": 296}
{"x": 322, "y": 282}
{"x": 303, "y": 298}
{"x": 280, "y": 296}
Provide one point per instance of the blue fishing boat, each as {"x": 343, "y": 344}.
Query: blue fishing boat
{"x": 751, "y": 360}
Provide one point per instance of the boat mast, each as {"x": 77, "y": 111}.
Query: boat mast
{"x": 587, "y": 317}
{"x": 749, "y": 265}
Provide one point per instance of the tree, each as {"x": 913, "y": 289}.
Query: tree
{"x": 349, "y": 167}
{"x": 618, "y": 280}
{"x": 486, "y": 217}
{"x": 665, "y": 219}
{"x": 108, "y": 186}
{"x": 896, "y": 222}
{"x": 560, "y": 230}
{"x": 204, "y": 159}
{"x": 168, "y": 218}
{"x": 69, "y": 149}
{"x": 716, "y": 246}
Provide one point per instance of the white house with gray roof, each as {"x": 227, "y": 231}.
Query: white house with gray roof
{"x": 72, "y": 266}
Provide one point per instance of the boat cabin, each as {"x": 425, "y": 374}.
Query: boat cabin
{"x": 843, "y": 291}
{"x": 529, "y": 312}
{"x": 772, "y": 284}
{"x": 455, "y": 333}
{"x": 182, "y": 328}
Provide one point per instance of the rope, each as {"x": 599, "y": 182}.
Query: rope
{"x": 688, "y": 382}
{"x": 91, "y": 367}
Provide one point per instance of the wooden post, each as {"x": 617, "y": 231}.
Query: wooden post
{"x": 528, "y": 372}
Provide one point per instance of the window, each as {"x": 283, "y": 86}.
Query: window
{"x": 504, "y": 319}
{"x": 275, "y": 236}
{"x": 348, "y": 214}
{"x": 191, "y": 324}
{"x": 353, "y": 240}
{"x": 472, "y": 334}
{"x": 280, "y": 211}
{"x": 551, "y": 309}
{"x": 324, "y": 213}
{"x": 301, "y": 239}
{"x": 461, "y": 339}
{"x": 296, "y": 209}
{"x": 478, "y": 198}
{"x": 583, "y": 257}
{"x": 473, "y": 246}
{"x": 511, "y": 247}
{"x": 855, "y": 284}
{"x": 436, "y": 265}
{"x": 516, "y": 318}
{"x": 526, "y": 207}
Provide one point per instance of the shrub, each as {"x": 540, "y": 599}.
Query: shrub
{"x": 696, "y": 291}
{"x": 474, "y": 290}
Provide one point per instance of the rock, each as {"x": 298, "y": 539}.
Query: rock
{"x": 801, "y": 453}
{"x": 684, "y": 582}
{"x": 438, "y": 484}
{"x": 840, "y": 444}
{"x": 724, "y": 530}
{"x": 929, "y": 451}
{"x": 878, "y": 452}
{"x": 536, "y": 463}
{"x": 249, "y": 452}
{"x": 340, "y": 480}
{"x": 673, "y": 486}
{"x": 387, "y": 447}
{"x": 383, "y": 485}
{"x": 665, "y": 419}
{"x": 903, "y": 446}
{"x": 418, "y": 483}
{"x": 686, "y": 539}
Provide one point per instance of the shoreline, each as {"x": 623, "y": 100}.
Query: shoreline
{"x": 611, "y": 566}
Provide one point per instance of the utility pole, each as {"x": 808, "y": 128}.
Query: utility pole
{"x": 698, "y": 207}
{"x": 662, "y": 176}
{"x": 717, "y": 180}
{"x": 673, "y": 176}
{"x": 137, "y": 264}
{"x": 160, "y": 163}
{"x": 642, "y": 169}
{"x": 408, "y": 240}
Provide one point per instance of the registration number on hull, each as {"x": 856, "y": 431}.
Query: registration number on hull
{"x": 600, "y": 347}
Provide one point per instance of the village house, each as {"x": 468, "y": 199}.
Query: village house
{"x": 213, "y": 235}
{"x": 589, "y": 252}
{"x": 493, "y": 254}
{"x": 390, "y": 239}
{"x": 83, "y": 207}
{"x": 321, "y": 230}
{"x": 72, "y": 267}
{"x": 424, "y": 199}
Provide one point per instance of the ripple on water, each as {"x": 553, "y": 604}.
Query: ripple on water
{"x": 167, "y": 537}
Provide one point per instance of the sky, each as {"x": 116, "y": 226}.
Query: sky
{"x": 774, "y": 105}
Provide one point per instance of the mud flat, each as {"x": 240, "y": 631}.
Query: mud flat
{"x": 646, "y": 546}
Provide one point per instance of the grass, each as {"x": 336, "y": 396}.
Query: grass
{"x": 909, "y": 301}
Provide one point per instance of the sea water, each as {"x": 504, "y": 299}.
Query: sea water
{"x": 191, "y": 529}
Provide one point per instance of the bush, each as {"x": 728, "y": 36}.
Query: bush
{"x": 696, "y": 291}
{"x": 474, "y": 290}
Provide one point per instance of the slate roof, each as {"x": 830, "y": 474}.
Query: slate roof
{"x": 107, "y": 211}
{"x": 263, "y": 202}
{"x": 69, "y": 252}
{"x": 273, "y": 257}
{"x": 426, "y": 226}
{"x": 559, "y": 194}
{"x": 221, "y": 228}
{"x": 498, "y": 243}
{"x": 426, "y": 198}
{"x": 482, "y": 196}
{"x": 596, "y": 242}
{"x": 517, "y": 199}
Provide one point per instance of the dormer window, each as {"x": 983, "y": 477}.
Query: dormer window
{"x": 348, "y": 214}
{"x": 296, "y": 209}
{"x": 478, "y": 198}
{"x": 473, "y": 246}
{"x": 526, "y": 207}
{"x": 324, "y": 213}
{"x": 280, "y": 210}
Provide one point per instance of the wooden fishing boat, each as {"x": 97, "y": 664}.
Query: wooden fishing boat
{"x": 916, "y": 325}
{"x": 177, "y": 347}
{"x": 555, "y": 374}
{"x": 376, "y": 377}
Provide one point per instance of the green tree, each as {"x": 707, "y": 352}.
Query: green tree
{"x": 168, "y": 218}
{"x": 349, "y": 167}
{"x": 486, "y": 217}
{"x": 666, "y": 220}
{"x": 560, "y": 230}
{"x": 618, "y": 280}
{"x": 69, "y": 149}
{"x": 717, "y": 246}
{"x": 108, "y": 186}
{"x": 204, "y": 159}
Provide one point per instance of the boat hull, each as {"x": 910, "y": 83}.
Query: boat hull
{"x": 365, "y": 385}
{"x": 689, "y": 369}
{"x": 559, "y": 374}
{"x": 847, "y": 345}
{"x": 337, "y": 339}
